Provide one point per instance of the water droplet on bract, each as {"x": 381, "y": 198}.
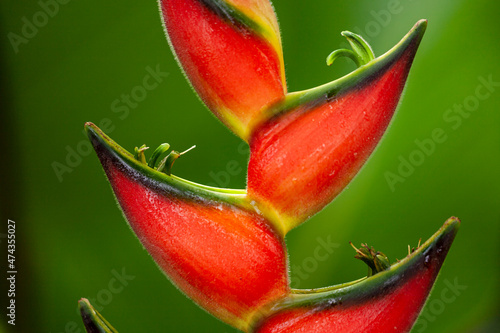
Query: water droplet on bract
{"x": 427, "y": 260}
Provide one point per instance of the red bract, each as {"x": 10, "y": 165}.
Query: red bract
{"x": 389, "y": 301}
{"x": 231, "y": 53}
{"x": 317, "y": 140}
{"x": 223, "y": 255}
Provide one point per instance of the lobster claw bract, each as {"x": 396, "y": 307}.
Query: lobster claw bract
{"x": 209, "y": 243}
{"x": 230, "y": 51}
{"x": 388, "y": 301}
{"x": 308, "y": 148}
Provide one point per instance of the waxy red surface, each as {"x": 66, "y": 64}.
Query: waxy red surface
{"x": 394, "y": 312}
{"x": 228, "y": 260}
{"x": 233, "y": 69}
{"x": 304, "y": 158}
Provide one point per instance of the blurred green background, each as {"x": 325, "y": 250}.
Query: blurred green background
{"x": 72, "y": 239}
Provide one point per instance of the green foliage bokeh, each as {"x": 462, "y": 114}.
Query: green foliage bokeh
{"x": 72, "y": 238}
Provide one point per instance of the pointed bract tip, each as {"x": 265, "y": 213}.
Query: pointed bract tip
{"x": 446, "y": 234}
{"x": 104, "y": 144}
{"x": 451, "y": 226}
{"x": 422, "y": 23}
{"x": 452, "y": 221}
{"x": 93, "y": 320}
{"x": 91, "y": 129}
{"x": 410, "y": 41}
{"x": 418, "y": 30}
{"x": 449, "y": 229}
{"x": 95, "y": 134}
{"x": 84, "y": 303}
{"x": 437, "y": 246}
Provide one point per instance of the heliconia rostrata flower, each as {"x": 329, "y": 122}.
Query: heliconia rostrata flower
{"x": 225, "y": 248}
